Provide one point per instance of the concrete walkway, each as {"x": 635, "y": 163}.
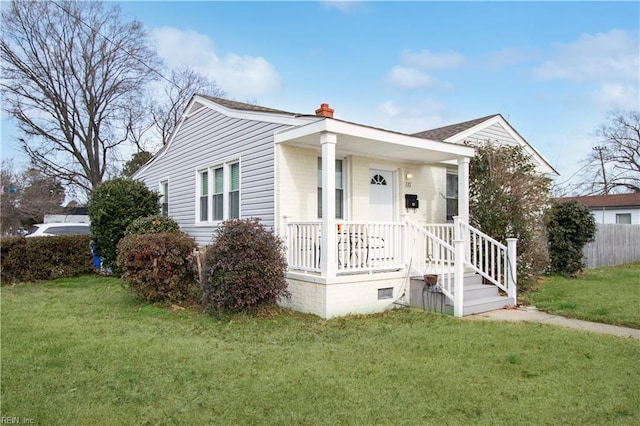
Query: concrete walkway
{"x": 531, "y": 314}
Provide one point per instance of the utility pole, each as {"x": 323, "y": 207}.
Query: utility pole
{"x": 604, "y": 174}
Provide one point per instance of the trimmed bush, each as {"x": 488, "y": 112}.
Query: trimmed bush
{"x": 45, "y": 258}
{"x": 244, "y": 268}
{"x": 570, "y": 226}
{"x": 155, "y": 224}
{"x": 159, "y": 267}
{"x": 112, "y": 207}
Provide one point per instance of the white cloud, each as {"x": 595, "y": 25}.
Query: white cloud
{"x": 348, "y": 7}
{"x": 610, "y": 60}
{"x": 415, "y": 69}
{"x": 429, "y": 61}
{"x": 612, "y": 95}
{"x": 597, "y": 57}
{"x": 240, "y": 76}
{"x": 423, "y": 115}
{"x": 409, "y": 78}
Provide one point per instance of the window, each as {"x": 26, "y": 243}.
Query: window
{"x": 234, "y": 191}
{"x": 219, "y": 192}
{"x": 452, "y": 195}
{"x": 339, "y": 189}
{"x": 623, "y": 218}
{"x": 164, "y": 198}
{"x": 204, "y": 196}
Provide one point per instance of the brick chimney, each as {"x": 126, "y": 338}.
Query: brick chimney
{"x": 325, "y": 111}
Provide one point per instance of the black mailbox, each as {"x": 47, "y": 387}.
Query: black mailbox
{"x": 410, "y": 201}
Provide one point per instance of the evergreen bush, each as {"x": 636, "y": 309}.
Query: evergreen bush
{"x": 113, "y": 205}
{"x": 154, "y": 224}
{"x": 570, "y": 226}
{"x": 244, "y": 268}
{"x": 44, "y": 258}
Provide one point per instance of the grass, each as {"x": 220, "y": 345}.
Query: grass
{"x": 607, "y": 295}
{"x": 81, "y": 351}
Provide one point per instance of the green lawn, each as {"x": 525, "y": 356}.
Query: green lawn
{"x": 607, "y": 295}
{"x": 81, "y": 351}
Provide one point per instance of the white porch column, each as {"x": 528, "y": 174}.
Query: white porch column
{"x": 463, "y": 188}
{"x": 328, "y": 242}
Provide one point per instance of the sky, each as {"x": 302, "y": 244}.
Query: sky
{"x": 553, "y": 69}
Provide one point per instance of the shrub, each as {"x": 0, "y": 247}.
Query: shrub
{"x": 155, "y": 224}
{"x": 244, "y": 267}
{"x": 507, "y": 198}
{"x": 159, "y": 267}
{"x": 570, "y": 226}
{"x": 112, "y": 207}
{"x": 45, "y": 258}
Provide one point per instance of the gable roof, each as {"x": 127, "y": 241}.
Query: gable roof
{"x": 467, "y": 131}
{"x": 442, "y": 133}
{"x": 613, "y": 200}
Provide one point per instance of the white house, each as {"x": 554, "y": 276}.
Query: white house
{"x": 362, "y": 210}
{"x": 614, "y": 208}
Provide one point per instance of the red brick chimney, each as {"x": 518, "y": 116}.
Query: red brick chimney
{"x": 325, "y": 111}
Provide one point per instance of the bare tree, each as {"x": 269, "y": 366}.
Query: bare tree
{"x": 72, "y": 71}
{"x": 27, "y": 196}
{"x": 184, "y": 83}
{"x": 614, "y": 164}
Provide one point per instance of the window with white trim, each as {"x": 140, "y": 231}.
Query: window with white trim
{"x": 219, "y": 192}
{"x": 623, "y": 218}
{"x": 339, "y": 189}
{"x": 452, "y": 195}
{"x": 164, "y": 198}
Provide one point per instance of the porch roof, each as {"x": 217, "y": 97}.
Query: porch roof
{"x": 358, "y": 139}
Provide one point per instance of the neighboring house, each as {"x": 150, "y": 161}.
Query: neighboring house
{"x": 615, "y": 208}
{"x": 69, "y": 214}
{"x": 362, "y": 210}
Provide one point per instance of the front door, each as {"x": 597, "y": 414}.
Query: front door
{"x": 381, "y": 206}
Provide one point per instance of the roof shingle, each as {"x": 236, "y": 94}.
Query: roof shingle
{"x": 613, "y": 200}
{"x": 442, "y": 133}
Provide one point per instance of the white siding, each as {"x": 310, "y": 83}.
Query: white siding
{"x": 297, "y": 186}
{"x": 208, "y": 138}
{"x": 493, "y": 133}
{"x": 608, "y": 215}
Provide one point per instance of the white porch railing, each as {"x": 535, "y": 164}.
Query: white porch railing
{"x": 360, "y": 246}
{"x": 303, "y": 245}
{"x": 494, "y": 261}
{"x": 434, "y": 248}
{"x": 443, "y": 231}
{"x": 429, "y": 254}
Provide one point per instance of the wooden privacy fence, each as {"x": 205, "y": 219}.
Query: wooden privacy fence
{"x": 615, "y": 244}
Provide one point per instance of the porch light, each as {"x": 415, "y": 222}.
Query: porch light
{"x": 409, "y": 176}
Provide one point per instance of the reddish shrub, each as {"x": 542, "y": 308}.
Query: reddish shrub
{"x": 159, "y": 267}
{"x": 244, "y": 268}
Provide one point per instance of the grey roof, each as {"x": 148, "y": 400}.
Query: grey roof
{"x": 442, "y": 133}
{"x": 244, "y": 106}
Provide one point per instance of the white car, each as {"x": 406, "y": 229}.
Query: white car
{"x": 50, "y": 229}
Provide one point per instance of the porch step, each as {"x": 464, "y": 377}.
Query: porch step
{"x": 477, "y": 297}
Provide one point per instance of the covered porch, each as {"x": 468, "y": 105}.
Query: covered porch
{"x": 381, "y": 196}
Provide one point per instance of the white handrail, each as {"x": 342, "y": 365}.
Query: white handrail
{"x": 489, "y": 258}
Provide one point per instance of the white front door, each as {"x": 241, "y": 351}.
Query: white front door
{"x": 381, "y": 206}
